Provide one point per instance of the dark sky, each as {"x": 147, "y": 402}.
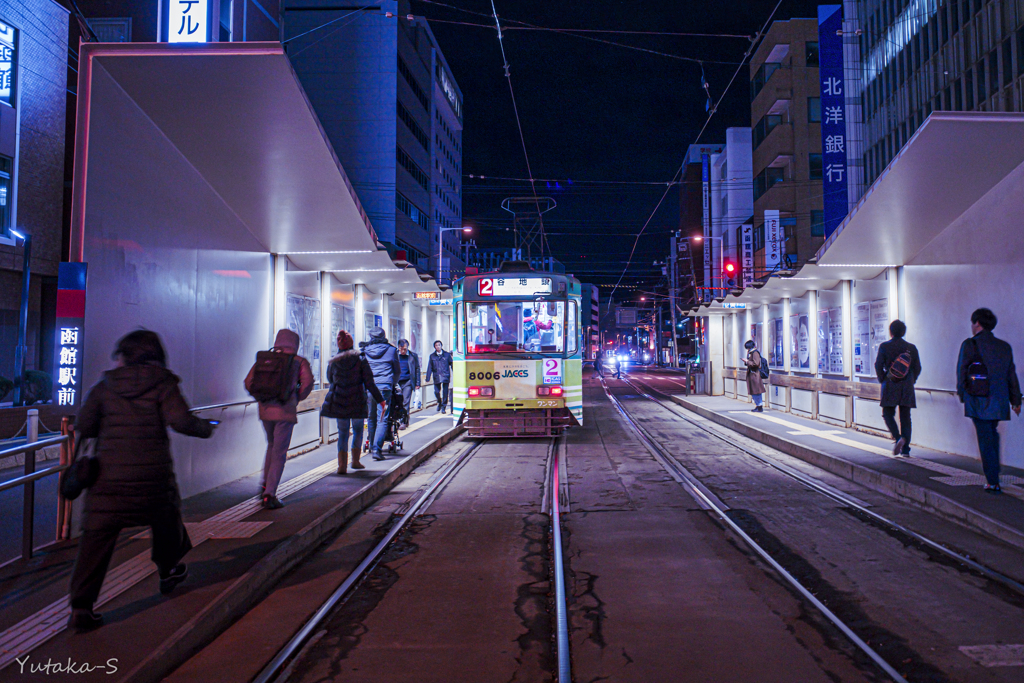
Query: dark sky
{"x": 594, "y": 112}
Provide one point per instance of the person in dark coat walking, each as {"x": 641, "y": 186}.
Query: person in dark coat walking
{"x": 128, "y": 412}
{"x": 755, "y": 383}
{"x": 898, "y": 393}
{"x": 351, "y": 378}
{"x": 599, "y": 362}
{"x": 1003, "y": 390}
{"x": 383, "y": 359}
{"x": 279, "y": 418}
{"x": 439, "y": 366}
{"x": 409, "y": 378}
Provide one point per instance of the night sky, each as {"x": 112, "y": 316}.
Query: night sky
{"x": 594, "y": 112}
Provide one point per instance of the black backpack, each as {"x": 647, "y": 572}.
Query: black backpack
{"x": 272, "y": 377}
{"x": 976, "y": 382}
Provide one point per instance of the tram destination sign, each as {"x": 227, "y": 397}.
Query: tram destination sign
{"x": 514, "y": 286}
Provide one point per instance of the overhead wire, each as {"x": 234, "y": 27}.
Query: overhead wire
{"x": 711, "y": 114}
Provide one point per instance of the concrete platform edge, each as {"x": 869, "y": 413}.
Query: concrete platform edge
{"x": 248, "y": 589}
{"x": 877, "y": 481}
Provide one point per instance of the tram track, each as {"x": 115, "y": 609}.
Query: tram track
{"x": 719, "y": 510}
{"x": 280, "y": 668}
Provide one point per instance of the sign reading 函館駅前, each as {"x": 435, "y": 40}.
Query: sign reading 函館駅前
{"x": 69, "y": 339}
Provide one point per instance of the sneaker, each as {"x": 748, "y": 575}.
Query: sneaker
{"x": 176, "y": 576}
{"x": 82, "y": 620}
{"x": 897, "y": 447}
{"x": 378, "y": 456}
{"x": 272, "y": 503}
{"x": 759, "y": 409}
{"x": 993, "y": 488}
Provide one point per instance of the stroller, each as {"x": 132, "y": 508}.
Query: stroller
{"x": 394, "y": 419}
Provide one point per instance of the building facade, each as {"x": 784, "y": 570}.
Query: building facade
{"x": 920, "y": 56}
{"x": 690, "y": 272}
{"x": 33, "y": 90}
{"x": 785, "y": 113}
{"x": 732, "y": 201}
{"x": 393, "y": 112}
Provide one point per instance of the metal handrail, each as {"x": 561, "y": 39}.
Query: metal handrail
{"x": 25, "y": 479}
{"x": 223, "y": 405}
{"x": 33, "y": 446}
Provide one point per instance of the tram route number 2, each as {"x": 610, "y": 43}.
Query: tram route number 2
{"x": 552, "y": 371}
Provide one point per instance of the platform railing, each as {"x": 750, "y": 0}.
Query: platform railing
{"x": 31, "y": 476}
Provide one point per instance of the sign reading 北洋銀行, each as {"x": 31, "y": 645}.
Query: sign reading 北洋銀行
{"x": 833, "y": 116}
{"x": 69, "y": 342}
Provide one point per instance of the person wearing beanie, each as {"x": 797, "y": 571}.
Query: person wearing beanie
{"x": 351, "y": 379}
{"x": 280, "y": 417}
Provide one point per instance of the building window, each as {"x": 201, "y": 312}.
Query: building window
{"x": 6, "y": 194}
{"x": 812, "y": 53}
{"x": 817, "y": 223}
{"x": 413, "y": 127}
{"x": 767, "y": 179}
{"x": 815, "y": 166}
{"x": 765, "y": 126}
{"x": 814, "y": 109}
{"x": 403, "y": 69}
{"x": 415, "y": 171}
{"x": 7, "y": 64}
{"x": 226, "y": 7}
{"x": 969, "y": 90}
{"x": 762, "y": 76}
{"x": 1007, "y": 63}
{"x": 993, "y": 72}
{"x": 411, "y": 210}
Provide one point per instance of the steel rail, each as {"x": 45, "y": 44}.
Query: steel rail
{"x": 558, "y": 567}
{"x": 370, "y": 561}
{"x": 837, "y": 496}
{"x": 761, "y": 552}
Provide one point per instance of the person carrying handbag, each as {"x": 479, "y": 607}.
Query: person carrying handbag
{"x": 128, "y": 413}
{"x": 987, "y": 385}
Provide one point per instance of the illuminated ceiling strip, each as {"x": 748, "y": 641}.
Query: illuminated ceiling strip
{"x": 365, "y": 270}
{"x": 347, "y": 251}
{"x": 857, "y": 265}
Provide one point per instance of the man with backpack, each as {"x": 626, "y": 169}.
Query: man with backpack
{"x": 897, "y": 367}
{"x": 988, "y": 386}
{"x": 757, "y": 373}
{"x": 279, "y": 379}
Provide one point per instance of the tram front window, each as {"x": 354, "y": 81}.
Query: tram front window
{"x": 515, "y": 327}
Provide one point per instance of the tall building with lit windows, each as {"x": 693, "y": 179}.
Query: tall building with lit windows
{"x": 920, "y": 56}
{"x": 392, "y": 110}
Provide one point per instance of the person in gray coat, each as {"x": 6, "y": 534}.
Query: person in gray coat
{"x": 898, "y": 393}
{"x": 279, "y": 419}
{"x": 383, "y": 358}
{"x": 988, "y": 410}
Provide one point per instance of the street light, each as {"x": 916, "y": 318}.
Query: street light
{"x": 440, "y": 246}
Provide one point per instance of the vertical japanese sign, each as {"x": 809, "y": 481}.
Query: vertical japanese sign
{"x": 188, "y": 21}
{"x": 773, "y": 240}
{"x": 6, "y": 63}
{"x": 833, "y": 115}
{"x": 747, "y": 232}
{"x": 705, "y": 177}
{"x": 70, "y": 335}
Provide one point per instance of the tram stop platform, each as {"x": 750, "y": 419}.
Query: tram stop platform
{"x": 945, "y": 483}
{"x": 240, "y": 551}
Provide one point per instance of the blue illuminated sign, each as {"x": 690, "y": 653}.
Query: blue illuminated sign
{"x": 833, "y": 116}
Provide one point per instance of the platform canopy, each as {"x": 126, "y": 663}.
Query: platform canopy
{"x": 238, "y": 115}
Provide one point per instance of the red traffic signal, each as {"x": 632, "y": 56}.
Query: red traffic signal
{"x": 730, "y": 268}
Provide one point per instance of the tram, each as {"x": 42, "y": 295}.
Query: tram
{"x": 518, "y": 352}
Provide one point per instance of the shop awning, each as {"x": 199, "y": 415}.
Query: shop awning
{"x": 238, "y": 115}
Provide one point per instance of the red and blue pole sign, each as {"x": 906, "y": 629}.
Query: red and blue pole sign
{"x": 70, "y": 335}
{"x": 833, "y": 116}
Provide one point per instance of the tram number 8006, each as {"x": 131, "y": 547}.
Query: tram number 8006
{"x": 483, "y": 376}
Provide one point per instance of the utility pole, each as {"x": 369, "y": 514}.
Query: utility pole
{"x": 673, "y": 289}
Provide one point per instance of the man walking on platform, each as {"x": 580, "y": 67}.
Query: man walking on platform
{"x": 987, "y": 385}
{"x": 897, "y": 367}
{"x": 409, "y": 378}
{"x": 279, "y": 414}
{"x": 383, "y": 358}
{"x": 440, "y": 368}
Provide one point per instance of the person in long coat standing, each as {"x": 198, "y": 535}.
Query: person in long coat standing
{"x": 898, "y": 393}
{"x": 351, "y": 377}
{"x": 755, "y": 383}
{"x": 128, "y": 413}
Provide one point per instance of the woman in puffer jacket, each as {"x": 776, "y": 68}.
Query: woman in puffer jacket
{"x": 351, "y": 377}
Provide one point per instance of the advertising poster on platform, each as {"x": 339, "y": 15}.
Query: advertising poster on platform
{"x": 879, "y": 328}
{"x": 777, "y": 359}
{"x": 794, "y": 341}
{"x": 803, "y": 342}
{"x": 769, "y": 344}
{"x": 823, "y": 339}
{"x": 835, "y": 341}
{"x": 861, "y": 338}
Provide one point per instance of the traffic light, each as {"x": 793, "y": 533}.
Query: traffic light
{"x": 730, "y": 274}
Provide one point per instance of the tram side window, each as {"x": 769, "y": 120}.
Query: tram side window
{"x": 571, "y": 327}
{"x": 515, "y": 327}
